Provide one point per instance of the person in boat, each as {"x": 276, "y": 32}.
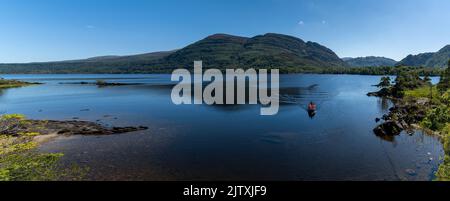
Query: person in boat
{"x": 312, "y": 110}
{"x": 312, "y": 106}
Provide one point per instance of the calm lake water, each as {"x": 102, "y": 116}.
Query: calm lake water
{"x": 201, "y": 142}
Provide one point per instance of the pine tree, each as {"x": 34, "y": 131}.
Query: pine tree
{"x": 444, "y": 84}
{"x": 385, "y": 82}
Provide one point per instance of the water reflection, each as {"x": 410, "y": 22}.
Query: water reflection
{"x": 311, "y": 113}
{"x": 384, "y": 104}
{"x": 223, "y": 142}
{"x": 388, "y": 138}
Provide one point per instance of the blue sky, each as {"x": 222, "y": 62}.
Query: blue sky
{"x": 46, "y": 30}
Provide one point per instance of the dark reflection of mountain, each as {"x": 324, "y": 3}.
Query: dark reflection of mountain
{"x": 303, "y": 95}
{"x": 288, "y": 96}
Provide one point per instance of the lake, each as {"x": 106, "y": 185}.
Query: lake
{"x": 202, "y": 142}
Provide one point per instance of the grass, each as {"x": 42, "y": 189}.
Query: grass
{"x": 430, "y": 93}
{"x": 423, "y": 92}
{"x": 19, "y": 160}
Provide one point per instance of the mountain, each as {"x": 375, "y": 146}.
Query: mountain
{"x": 264, "y": 51}
{"x": 216, "y": 51}
{"x": 369, "y": 61}
{"x": 101, "y": 64}
{"x": 440, "y": 58}
{"x": 431, "y": 59}
{"x": 416, "y": 60}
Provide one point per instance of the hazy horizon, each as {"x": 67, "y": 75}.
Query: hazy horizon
{"x": 51, "y": 30}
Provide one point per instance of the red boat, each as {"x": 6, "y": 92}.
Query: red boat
{"x": 312, "y": 107}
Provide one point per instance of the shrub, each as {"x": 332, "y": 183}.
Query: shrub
{"x": 437, "y": 118}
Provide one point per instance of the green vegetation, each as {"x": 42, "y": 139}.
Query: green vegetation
{"x": 382, "y": 70}
{"x": 407, "y": 82}
{"x": 444, "y": 84}
{"x": 419, "y": 101}
{"x": 385, "y": 82}
{"x": 430, "y": 92}
{"x": 443, "y": 172}
{"x": 19, "y": 160}
{"x": 369, "y": 61}
{"x": 12, "y": 83}
{"x": 437, "y": 117}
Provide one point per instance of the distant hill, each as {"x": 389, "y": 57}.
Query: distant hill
{"x": 431, "y": 59}
{"x": 440, "y": 58}
{"x": 102, "y": 64}
{"x": 216, "y": 51}
{"x": 416, "y": 60}
{"x": 369, "y": 61}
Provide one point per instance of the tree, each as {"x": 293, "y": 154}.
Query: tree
{"x": 385, "y": 82}
{"x": 444, "y": 84}
{"x": 427, "y": 79}
{"x": 428, "y": 82}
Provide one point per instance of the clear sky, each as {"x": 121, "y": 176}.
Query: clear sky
{"x": 47, "y": 30}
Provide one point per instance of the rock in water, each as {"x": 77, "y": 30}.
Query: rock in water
{"x": 384, "y": 92}
{"x": 410, "y": 172}
{"x": 72, "y": 127}
{"x": 388, "y": 128}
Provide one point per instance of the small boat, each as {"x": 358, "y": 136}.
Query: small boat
{"x": 312, "y": 109}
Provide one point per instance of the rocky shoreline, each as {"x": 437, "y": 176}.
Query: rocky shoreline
{"x": 47, "y": 127}
{"x": 402, "y": 116}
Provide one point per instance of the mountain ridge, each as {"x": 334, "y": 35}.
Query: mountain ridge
{"x": 220, "y": 51}
{"x": 437, "y": 59}
{"x": 369, "y": 61}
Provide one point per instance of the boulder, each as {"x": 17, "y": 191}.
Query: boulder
{"x": 388, "y": 128}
